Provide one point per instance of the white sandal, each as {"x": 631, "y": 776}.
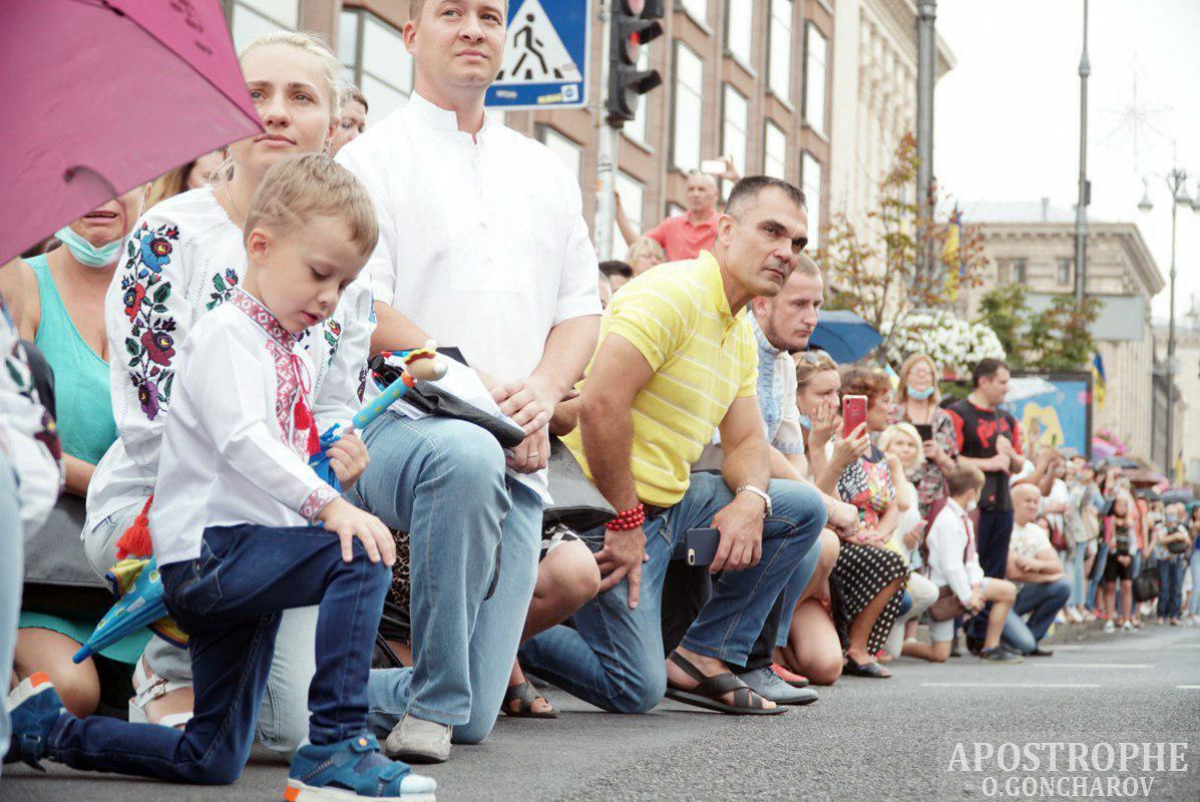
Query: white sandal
{"x": 148, "y": 686}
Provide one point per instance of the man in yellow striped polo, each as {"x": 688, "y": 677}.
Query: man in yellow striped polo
{"x": 676, "y": 360}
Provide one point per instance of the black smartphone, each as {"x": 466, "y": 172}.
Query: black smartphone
{"x": 924, "y": 431}
{"x": 701, "y": 546}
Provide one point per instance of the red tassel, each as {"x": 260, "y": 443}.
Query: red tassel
{"x": 301, "y": 416}
{"x": 136, "y": 539}
{"x": 314, "y": 441}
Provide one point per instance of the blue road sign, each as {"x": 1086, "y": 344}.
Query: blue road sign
{"x": 545, "y": 61}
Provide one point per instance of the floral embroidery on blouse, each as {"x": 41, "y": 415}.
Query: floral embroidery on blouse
{"x": 151, "y": 344}
{"x": 223, "y": 286}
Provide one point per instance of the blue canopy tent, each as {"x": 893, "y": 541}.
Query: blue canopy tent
{"x": 843, "y": 335}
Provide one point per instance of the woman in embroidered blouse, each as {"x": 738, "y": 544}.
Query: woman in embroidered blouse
{"x": 917, "y": 402}
{"x": 60, "y": 307}
{"x": 184, "y": 259}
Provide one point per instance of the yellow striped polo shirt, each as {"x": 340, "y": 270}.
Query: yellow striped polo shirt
{"x": 678, "y": 317}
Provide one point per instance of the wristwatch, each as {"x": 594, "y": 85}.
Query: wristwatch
{"x": 760, "y": 493}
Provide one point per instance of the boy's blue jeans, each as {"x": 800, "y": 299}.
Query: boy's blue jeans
{"x": 229, "y": 602}
{"x": 614, "y": 657}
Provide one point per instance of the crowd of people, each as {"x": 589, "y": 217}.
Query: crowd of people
{"x": 179, "y": 358}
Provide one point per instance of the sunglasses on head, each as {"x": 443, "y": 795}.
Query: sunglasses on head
{"x": 814, "y": 357}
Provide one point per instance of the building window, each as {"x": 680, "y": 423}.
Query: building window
{"x": 689, "y": 108}
{"x": 1065, "y": 271}
{"x": 810, "y": 182}
{"x": 1019, "y": 272}
{"x": 733, "y": 132}
{"x": 250, "y": 19}
{"x": 633, "y": 199}
{"x": 566, "y": 149}
{"x": 636, "y": 128}
{"x": 374, "y": 58}
{"x": 739, "y": 28}
{"x": 775, "y": 147}
{"x": 779, "y": 66}
{"x": 698, "y": 9}
{"x": 815, "y": 50}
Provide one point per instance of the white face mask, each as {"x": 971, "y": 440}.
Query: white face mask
{"x": 971, "y": 505}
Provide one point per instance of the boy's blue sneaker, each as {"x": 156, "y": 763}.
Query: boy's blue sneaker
{"x": 353, "y": 771}
{"x": 33, "y": 707}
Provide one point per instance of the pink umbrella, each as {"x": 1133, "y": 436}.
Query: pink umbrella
{"x": 103, "y": 95}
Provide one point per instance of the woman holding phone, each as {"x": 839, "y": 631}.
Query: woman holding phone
{"x": 918, "y": 402}
{"x": 867, "y": 583}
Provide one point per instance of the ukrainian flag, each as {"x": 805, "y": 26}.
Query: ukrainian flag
{"x": 951, "y": 256}
{"x": 1099, "y": 388}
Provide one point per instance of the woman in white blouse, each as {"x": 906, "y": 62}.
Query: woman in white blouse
{"x": 183, "y": 259}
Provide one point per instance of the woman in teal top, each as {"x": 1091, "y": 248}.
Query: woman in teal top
{"x": 59, "y": 305}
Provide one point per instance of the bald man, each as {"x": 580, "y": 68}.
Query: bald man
{"x": 1034, "y": 567}
{"x": 683, "y": 236}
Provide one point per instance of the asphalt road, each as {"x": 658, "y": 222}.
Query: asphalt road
{"x": 864, "y": 740}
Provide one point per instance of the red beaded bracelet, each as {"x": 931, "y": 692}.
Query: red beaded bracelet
{"x": 628, "y": 519}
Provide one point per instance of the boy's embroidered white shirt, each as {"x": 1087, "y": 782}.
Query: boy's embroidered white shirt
{"x": 182, "y": 260}
{"x": 947, "y": 541}
{"x": 482, "y": 241}
{"x": 232, "y": 452}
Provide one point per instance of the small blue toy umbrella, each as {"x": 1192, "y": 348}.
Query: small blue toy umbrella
{"x": 843, "y": 335}
{"x": 422, "y": 364}
{"x": 136, "y": 582}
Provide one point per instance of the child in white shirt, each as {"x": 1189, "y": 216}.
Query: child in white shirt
{"x": 954, "y": 568}
{"x": 235, "y": 522}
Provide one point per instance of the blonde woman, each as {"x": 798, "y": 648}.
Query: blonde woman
{"x": 901, "y": 445}
{"x": 187, "y": 258}
{"x": 644, "y": 254}
{"x": 918, "y": 402}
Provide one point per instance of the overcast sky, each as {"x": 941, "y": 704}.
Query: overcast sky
{"x": 1007, "y": 115}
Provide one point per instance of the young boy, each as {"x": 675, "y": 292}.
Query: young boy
{"x": 234, "y": 523}
{"x": 954, "y": 562}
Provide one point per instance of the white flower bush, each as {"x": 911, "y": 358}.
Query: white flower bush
{"x": 953, "y": 343}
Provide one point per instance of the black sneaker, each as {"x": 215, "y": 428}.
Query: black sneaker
{"x": 1040, "y": 652}
{"x": 974, "y": 645}
{"x": 1000, "y": 655}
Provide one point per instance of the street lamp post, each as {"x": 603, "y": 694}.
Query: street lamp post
{"x": 1085, "y": 69}
{"x": 1176, "y": 181}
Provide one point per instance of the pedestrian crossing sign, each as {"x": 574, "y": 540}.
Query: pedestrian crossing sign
{"x": 545, "y": 56}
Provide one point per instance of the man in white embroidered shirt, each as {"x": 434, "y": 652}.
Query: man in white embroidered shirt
{"x": 482, "y": 247}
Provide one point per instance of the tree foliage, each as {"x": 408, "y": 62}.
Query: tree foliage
{"x": 872, "y": 269}
{"x": 1057, "y": 338}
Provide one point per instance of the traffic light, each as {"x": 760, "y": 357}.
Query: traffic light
{"x": 634, "y": 23}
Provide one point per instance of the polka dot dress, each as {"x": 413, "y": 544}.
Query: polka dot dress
{"x": 860, "y": 575}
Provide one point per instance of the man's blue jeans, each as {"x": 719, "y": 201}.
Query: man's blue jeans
{"x": 229, "y": 601}
{"x": 614, "y": 657}
{"x": 994, "y": 534}
{"x": 1075, "y": 576}
{"x": 1170, "y": 580}
{"x": 12, "y": 565}
{"x": 1097, "y": 575}
{"x": 442, "y": 481}
{"x": 1041, "y": 602}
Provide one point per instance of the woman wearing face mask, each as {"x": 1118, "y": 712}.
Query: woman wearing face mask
{"x": 917, "y": 402}
{"x": 61, "y": 307}
{"x": 187, "y": 258}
